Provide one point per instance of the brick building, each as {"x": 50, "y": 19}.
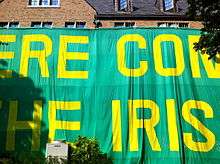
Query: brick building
{"x": 94, "y": 13}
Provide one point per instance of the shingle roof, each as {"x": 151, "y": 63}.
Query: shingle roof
{"x": 142, "y": 8}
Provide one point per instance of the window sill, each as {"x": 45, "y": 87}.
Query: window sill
{"x": 41, "y": 6}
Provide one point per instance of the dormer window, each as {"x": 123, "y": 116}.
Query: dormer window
{"x": 44, "y": 3}
{"x": 168, "y": 5}
{"x": 122, "y": 5}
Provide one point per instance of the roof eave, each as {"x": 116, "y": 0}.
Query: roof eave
{"x": 139, "y": 17}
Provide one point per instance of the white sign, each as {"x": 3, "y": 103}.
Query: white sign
{"x": 57, "y": 150}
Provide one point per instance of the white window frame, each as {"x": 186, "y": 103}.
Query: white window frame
{"x": 167, "y": 24}
{"x": 38, "y": 2}
{"x": 8, "y": 23}
{"x": 75, "y": 24}
{"x": 46, "y": 22}
{"x": 124, "y": 24}
{"x": 41, "y": 25}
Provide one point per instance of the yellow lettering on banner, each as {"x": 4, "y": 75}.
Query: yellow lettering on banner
{"x": 178, "y": 55}
{"x": 62, "y": 125}
{"x": 149, "y": 124}
{"x": 172, "y": 125}
{"x": 64, "y": 55}
{"x": 212, "y": 69}
{"x": 121, "y": 59}
{"x": 6, "y": 55}
{"x": 41, "y": 55}
{"x": 192, "y": 120}
{"x": 116, "y": 125}
{"x": 14, "y": 125}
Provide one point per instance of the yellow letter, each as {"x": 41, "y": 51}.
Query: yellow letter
{"x": 149, "y": 124}
{"x": 62, "y": 125}
{"x": 14, "y": 125}
{"x": 41, "y": 55}
{"x": 158, "y": 59}
{"x": 121, "y": 55}
{"x": 188, "y": 117}
{"x": 6, "y": 55}
{"x": 172, "y": 128}
{"x": 116, "y": 125}
{"x": 64, "y": 55}
{"x": 212, "y": 70}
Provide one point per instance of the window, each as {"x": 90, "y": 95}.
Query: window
{"x": 70, "y": 24}
{"x": 44, "y": 3}
{"x": 75, "y": 24}
{"x": 184, "y": 25}
{"x": 124, "y": 24}
{"x": 168, "y": 5}
{"x": 119, "y": 24}
{"x": 35, "y": 24}
{"x": 172, "y": 24}
{"x": 41, "y": 24}
{"x": 129, "y": 24}
{"x": 122, "y": 4}
{"x": 80, "y": 24}
{"x": 4, "y": 24}
{"x": 13, "y": 24}
{"x": 9, "y": 24}
{"x": 47, "y": 24}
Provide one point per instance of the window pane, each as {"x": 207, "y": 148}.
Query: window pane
{"x": 70, "y": 24}
{"x": 173, "y": 25}
{"x": 80, "y": 24}
{"x": 119, "y": 24}
{"x": 54, "y": 2}
{"x": 168, "y": 4}
{"x": 47, "y": 24}
{"x": 3, "y": 24}
{"x": 34, "y": 2}
{"x": 35, "y": 24}
{"x": 183, "y": 25}
{"x": 44, "y": 2}
{"x": 129, "y": 24}
{"x": 13, "y": 24}
{"x": 122, "y": 4}
{"x": 162, "y": 24}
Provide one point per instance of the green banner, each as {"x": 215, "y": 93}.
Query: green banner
{"x": 144, "y": 93}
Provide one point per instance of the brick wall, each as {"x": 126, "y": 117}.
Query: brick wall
{"x": 150, "y": 23}
{"x": 69, "y": 10}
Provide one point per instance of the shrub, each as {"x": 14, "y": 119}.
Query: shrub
{"x": 86, "y": 151}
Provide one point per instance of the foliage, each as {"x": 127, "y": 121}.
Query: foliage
{"x": 55, "y": 160}
{"x": 22, "y": 158}
{"x": 208, "y": 12}
{"x": 86, "y": 151}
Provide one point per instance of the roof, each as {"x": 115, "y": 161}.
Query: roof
{"x": 141, "y": 9}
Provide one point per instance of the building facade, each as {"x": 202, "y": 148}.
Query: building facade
{"x": 95, "y": 13}
{"x": 46, "y": 13}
